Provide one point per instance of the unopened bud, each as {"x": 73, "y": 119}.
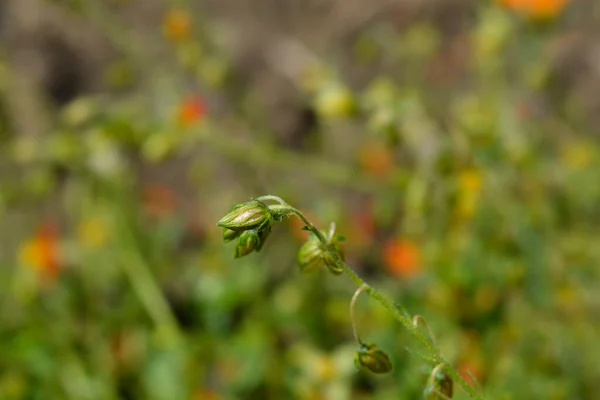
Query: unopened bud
{"x": 247, "y": 242}
{"x": 370, "y": 357}
{"x": 251, "y": 240}
{"x": 310, "y": 256}
{"x": 313, "y": 255}
{"x": 442, "y": 383}
{"x": 245, "y": 216}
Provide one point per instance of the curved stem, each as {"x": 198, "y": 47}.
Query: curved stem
{"x": 397, "y": 311}
{"x": 352, "y": 302}
{"x": 416, "y": 319}
{"x": 271, "y": 197}
{"x": 405, "y": 320}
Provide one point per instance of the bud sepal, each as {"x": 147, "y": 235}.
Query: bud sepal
{"x": 229, "y": 235}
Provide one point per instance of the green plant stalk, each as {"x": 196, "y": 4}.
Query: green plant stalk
{"x": 145, "y": 286}
{"x": 398, "y": 313}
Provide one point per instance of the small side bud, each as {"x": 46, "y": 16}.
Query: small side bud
{"x": 251, "y": 215}
{"x": 313, "y": 255}
{"x": 370, "y": 357}
{"x": 247, "y": 242}
{"x": 310, "y": 256}
{"x": 440, "y": 387}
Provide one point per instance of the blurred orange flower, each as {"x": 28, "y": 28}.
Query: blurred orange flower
{"x": 191, "y": 110}
{"x": 376, "y": 158}
{"x": 41, "y": 251}
{"x": 158, "y": 200}
{"x": 177, "y": 24}
{"x": 402, "y": 257}
{"x": 469, "y": 369}
{"x": 536, "y": 8}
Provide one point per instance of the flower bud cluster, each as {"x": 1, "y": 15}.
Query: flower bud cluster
{"x": 249, "y": 224}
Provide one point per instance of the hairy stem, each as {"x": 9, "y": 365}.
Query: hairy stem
{"x": 419, "y": 319}
{"x": 398, "y": 312}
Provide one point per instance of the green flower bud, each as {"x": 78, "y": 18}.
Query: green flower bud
{"x": 246, "y": 216}
{"x": 443, "y": 384}
{"x": 310, "y": 256}
{"x": 313, "y": 255}
{"x": 370, "y": 357}
{"x": 247, "y": 242}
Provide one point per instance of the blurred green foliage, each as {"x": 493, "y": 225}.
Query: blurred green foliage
{"x": 466, "y": 185}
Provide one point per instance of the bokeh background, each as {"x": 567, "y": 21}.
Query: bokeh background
{"x": 454, "y": 142}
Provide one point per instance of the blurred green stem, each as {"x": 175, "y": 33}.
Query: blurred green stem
{"x": 261, "y": 153}
{"x": 399, "y": 313}
{"x": 144, "y": 285}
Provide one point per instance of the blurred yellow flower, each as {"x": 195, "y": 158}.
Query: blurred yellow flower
{"x": 177, "y": 24}
{"x": 536, "y": 8}
{"x": 324, "y": 367}
{"x": 469, "y": 187}
{"x": 470, "y": 180}
{"x": 334, "y": 100}
{"x": 492, "y": 33}
{"x": 92, "y": 233}
{"x": 577, "y": 155}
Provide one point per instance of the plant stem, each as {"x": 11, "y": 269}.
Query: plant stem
{"x": 352, "y": 302}
{"x": 416, "y": 319}
{"x": 398, "y": 312}
{"x": 271, "y": 197}
{"x": 144, "y": 284}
